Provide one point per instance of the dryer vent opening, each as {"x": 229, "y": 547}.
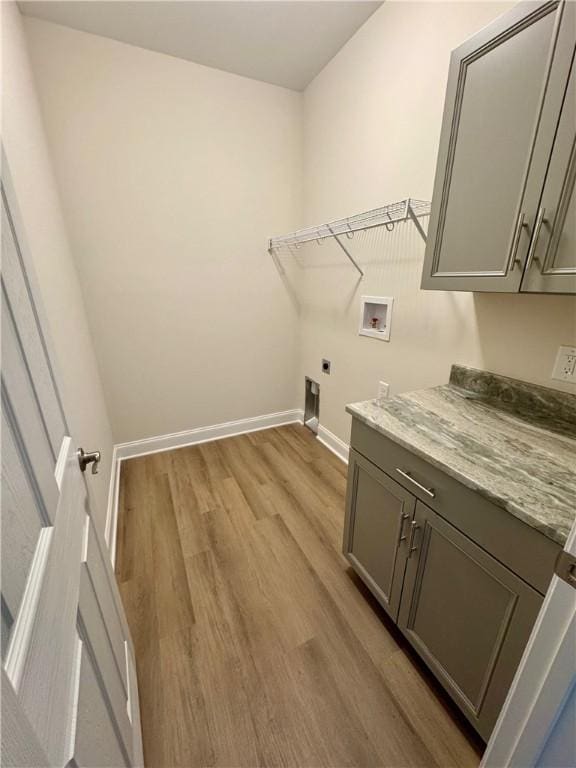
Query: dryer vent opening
{"x": 312, "y": 405}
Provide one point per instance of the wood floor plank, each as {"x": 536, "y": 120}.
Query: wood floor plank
{"x": 185, "y": 706}
{"x": 293, "y": 438}
{"x": 173, "y": 604}
{"x": 223, "y": 663}
{"x": 257, "y": 589}
{"x": 188, "y": 471}
{"x": 139, "y": 602}
{"x": 255, "y": 644}
{"x": 448, "y": 746}
{"x": 230, "y": 453}
{"x": 134, "y": 535}
{"x": 393, "y": 735}
{"x": 342, "y": 735}
{"x": 334, "y": 572}
{"x": 215, "y": 468}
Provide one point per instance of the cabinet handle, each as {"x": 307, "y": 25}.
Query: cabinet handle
{"x": 403, "y": 536}
{"x": 428, "y": 491}
{"x": 517, "y": 232}
{"x": 412, "y": 548}
{"x": 537, "y": 227}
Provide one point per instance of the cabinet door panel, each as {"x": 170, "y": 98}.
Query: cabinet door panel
{"x": 467, "y": 615}
{"x": 378, "y": 516}
{"x": 553, "y": 266}
{"x": 485, "y": 195}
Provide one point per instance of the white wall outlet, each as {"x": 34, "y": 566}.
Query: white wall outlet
{"x": 383, "y": 392}
{"x": 565, "y": 365}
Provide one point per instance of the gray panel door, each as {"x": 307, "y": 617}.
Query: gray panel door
{"x": 378, "y": 521}
{"x": 489, "y": 173}
{"x": 551, "y": 266}
{"x": 472, "y": 645}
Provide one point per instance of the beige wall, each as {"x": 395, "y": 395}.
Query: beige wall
{"x": 172, "y": 177}
{"x": 46, "y": 236}
{"x": 372, "y": 125}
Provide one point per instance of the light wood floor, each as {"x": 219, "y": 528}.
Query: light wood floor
{"x": 255, "y": 643}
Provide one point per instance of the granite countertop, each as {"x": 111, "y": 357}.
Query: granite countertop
{"x": 513, "y": 442}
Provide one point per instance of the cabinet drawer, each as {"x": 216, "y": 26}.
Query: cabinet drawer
{"x": 521, "y": 548}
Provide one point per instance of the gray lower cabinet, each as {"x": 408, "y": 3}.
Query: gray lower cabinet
{"x": 499, "y": 201}
{"x": 462, "y": 578}
{"x": 466, "y": 614}
{"x": 378, "y": 521}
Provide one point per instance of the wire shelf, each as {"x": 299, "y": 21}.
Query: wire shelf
{"x": 386, "y": 216}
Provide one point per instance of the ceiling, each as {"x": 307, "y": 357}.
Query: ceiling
{"x": 284, "y": 43}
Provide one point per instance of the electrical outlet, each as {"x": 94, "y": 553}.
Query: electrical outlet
{"x": 383, "y": 392}
{"x": 565, "y": 365}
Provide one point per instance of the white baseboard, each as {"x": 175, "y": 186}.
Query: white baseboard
{"x": 162, "y": 443}
{"x": 205, "y": 434}
{"x": 333, "y": 443}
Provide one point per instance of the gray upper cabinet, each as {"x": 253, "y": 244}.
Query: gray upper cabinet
{"x": 551, "y": 265}
{"x": 507, "y": 88}
{"x": 466, "y": 614}
{"x": 379, "y": 513}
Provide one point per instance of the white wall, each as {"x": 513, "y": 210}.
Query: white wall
{"x": 172, "y": 177}
{"x": 372, "y": 125}
{"x": 46, "y": 236}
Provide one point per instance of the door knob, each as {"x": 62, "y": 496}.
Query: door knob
{"x": 90, "y": 457}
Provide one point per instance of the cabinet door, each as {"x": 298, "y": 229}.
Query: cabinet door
{"x": 378, "y": 517}
{"x": 467, "y": 615}
{"x": 490, "y": 172}
{"x": 551, "y": 266}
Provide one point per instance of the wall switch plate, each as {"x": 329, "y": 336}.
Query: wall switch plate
{"x": 326, "y": 366}
{"x": 383, "y": 392}
{"x": 565, "y": 365}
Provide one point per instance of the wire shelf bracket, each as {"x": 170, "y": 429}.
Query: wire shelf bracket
{"x": 387, "y": 216}
{"x": 346, "y": 251}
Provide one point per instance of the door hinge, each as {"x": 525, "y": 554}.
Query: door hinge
{"x": 566, "y": 568}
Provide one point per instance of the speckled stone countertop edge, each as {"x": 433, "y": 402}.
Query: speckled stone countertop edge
{"x": 551, "y": 532}
{"x": 551, "y": 409}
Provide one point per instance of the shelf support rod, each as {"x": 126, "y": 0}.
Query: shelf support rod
{"x": 346, "y": 251}
{"x": 276, "y": 258}
{"x": 414, "y": 218}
